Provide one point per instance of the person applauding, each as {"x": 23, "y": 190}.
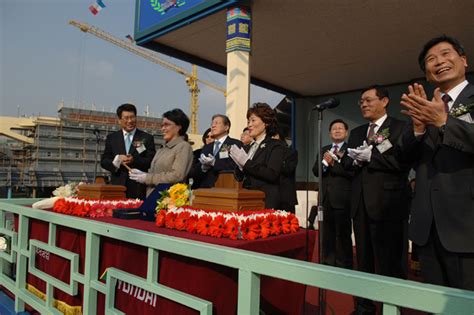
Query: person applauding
{"x": 262, "y": 163}
{"x": 173, "y": 161}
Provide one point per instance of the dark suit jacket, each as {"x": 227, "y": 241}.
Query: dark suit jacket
{"x": 383, "y": 181}
{"x": 264, "y": 170}
{"x": 336, "y": 182}
{"x": 444, "y": 191}
{"x": 288, "y": 198}
{"x": 207, "y": 179}
{"x": 115, "y": 144}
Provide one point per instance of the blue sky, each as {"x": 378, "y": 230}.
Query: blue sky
{"x": 44, "y": 60}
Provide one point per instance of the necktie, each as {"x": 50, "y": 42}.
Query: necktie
{"x": 217, "y": 146}
{"x": 335, "y": 149}
{"x": 128, "y": 142}
{"x": 371, "y": 133}
{"x": 446, "y": 99}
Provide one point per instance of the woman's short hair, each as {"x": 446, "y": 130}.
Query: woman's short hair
{"x": 179, "y": 118}
{"x": 205, "y": 135}
{"x": 266, "y": 114}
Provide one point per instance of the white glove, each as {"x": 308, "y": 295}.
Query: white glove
{"x": 361, "y": 155}
{"x": 117, "y": 161}
{"x": 239, "y": 156}
{"x": 206, "y": 161}
{"x": 363, "y": 146}
{"x": 137, "y": 175}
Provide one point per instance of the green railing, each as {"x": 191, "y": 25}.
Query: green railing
{"x": 393, "y": 293}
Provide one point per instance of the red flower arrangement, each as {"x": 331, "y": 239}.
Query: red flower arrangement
{"x": 247, "y": 225}
{"x": 93, "y": 208}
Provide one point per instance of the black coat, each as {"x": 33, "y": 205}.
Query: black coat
{"x": 288, "y": 198}
{"x": 336, "y": 181}
{"x": 264, "y": 170}
{"x": 115, "y": 144}
{"x": 444, "y": 190}
{"x": 383, "y": 181}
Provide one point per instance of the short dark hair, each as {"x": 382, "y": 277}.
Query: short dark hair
{"x": 435, "y": 41}
{"x": 266, "y": 114}
{"x": 126, "y": 108}
{"x": 179, "y": 118}
{"x": 380, "y": 91}
{"x": 205, "y": 134}
{"x": 224, "y": 118}
{"x": 335, "y": 121}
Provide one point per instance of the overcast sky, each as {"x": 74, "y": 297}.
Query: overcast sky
{"x": 44, "y": 60}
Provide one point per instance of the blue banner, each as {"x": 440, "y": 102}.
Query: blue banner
{"x": 155, "y": 16}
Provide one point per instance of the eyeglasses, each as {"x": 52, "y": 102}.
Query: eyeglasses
{"x": 129, "y": 118}
{"x": 368, "y": 100}
{"x": 167, "y": 125}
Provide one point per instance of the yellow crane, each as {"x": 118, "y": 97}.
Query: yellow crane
{"x": 191, "y": 78}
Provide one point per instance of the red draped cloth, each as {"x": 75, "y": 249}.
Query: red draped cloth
{"x": 208, "y": 281}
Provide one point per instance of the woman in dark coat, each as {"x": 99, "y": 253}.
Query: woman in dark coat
{"x": 262, "y": 163}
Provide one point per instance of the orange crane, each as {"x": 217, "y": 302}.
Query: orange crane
{"x": 191, "y": 78}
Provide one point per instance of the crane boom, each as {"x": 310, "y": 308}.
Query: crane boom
{"x": 191, "y": 78}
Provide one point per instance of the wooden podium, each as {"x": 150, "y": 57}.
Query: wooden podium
{"x": 228, "y": 194}
{"x": 101, "y": 191}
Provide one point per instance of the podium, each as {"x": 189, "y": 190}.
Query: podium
{"x": 229, "y": 195}
{"x": 101, "y": 191}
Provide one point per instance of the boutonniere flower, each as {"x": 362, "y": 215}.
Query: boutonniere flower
{"x": 380, "y": 136}
{"x": 138, "y": 143}
{"x": 225, "y": 148}
{"x": 340, "y": 154}
{"x": 461, "y": 110}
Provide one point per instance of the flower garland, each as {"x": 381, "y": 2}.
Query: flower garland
{"x": 93, "y": 208}
{"x": 246, "y": 225}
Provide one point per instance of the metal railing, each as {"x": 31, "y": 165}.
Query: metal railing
{"x": 392, "y": 293}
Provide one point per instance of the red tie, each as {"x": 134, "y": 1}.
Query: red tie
{"x": 335, "y": 149}
{"x": 371, "y": 133}
{"x": 446, "y": 99}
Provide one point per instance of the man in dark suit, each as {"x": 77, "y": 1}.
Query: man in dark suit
{"x": 215, "y": 156}
{"x": 129, "y": 147}
{"x": 288, "y": 198}
{"x": 336, "y": 188}
{"x": 441, "y": 143}
{"x": 379, "y": 193}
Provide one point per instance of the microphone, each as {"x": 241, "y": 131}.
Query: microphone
{"x": 330, "y": 103}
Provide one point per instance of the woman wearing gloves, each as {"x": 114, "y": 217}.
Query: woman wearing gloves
{"x": 173, "y": 161}
{"x": 262, "y": 163}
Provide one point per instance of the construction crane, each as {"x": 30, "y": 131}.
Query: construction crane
{"x": 191, "y": 78}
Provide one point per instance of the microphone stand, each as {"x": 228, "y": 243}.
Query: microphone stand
{"x": 97, "y": 139}
{"x": 322, "y": 293}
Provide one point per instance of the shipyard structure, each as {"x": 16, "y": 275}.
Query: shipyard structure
{"x": 41, "y": 153}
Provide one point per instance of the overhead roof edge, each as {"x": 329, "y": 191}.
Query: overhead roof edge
{"x": 173, "y": 52}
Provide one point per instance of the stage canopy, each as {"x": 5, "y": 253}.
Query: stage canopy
{"x": 312, "y": 47}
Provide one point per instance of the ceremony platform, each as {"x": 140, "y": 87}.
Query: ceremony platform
{"x": 148, "y": 268}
